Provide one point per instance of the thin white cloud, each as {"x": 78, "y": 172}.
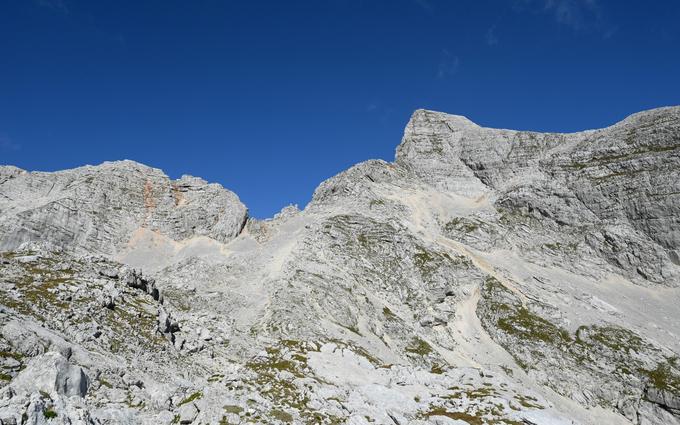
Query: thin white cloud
{"x": 569, "y": 12}
{"x": 448, "y": 64}
{"x": 576, "y": 14}
{"x": 56, "y": 5}
{"x": 490, "y": 36}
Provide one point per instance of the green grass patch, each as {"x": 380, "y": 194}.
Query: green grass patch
{"x": 195, "y": 396}
{"x": 663, "y": 378}
{"x": 419, "y": 346}
{"x": 526, "y": 325}
{"x": 49, "y": 414}
{"x": 460, "y": 416}
{"x": 461, "y": 224}
{"x": 388, "y": 313}
{"x": 281, "y": 416}
{"x": 233, "y": 409}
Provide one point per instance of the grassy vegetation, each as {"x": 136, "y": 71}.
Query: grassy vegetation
{"x": 45, "y": 287}
{"x": 281, "y": 416}
{"x": 288, "y": 356}
{"x": 612, "y": 337}
{"x": 437, "y": 368}
{"x": 233, "y": 409}
{"x": 461, "y": 416}
{"x": 609, "y": 355}
{"x": 37, "y": 288}
{"x": 518, "y": 321}
{"x": 462, "y": 224}
{"x": 10, "y": 255}
{"x": 49, "y": 414}
{"x": 352, "y": 328}
{"x": 663, "y": 377}
{"x": 363, "y": 240}
{"x": 389, "y": 315}
{"x": 483, "y": 404}
{"x": 428, "y": 262}
{"x": 627, "y": 173}
{"x": 195, "y": 396}
{"x": 511, "y": 216}
{"x": 528, "y": 326}
{"x": 425, "y": 261}
{"x": 528, "y": 401}
{"x": 103, "y": 382}
{"x": 418, "y": 346}
{"x": 131, "y": 318}
{"x": 9, "y": 354}
{"x": 215, "y": 377}
{"x": 423, "y": 258}
{"x": 558, "y": 246}
{"x": 471, "y": 419}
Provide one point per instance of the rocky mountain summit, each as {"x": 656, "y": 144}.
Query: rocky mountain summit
{"x": 485, "y": 276}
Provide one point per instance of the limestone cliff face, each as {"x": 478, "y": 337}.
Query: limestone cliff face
{"x": 618, "y": 187}
{"x": 97, "y": 209}
{"x": 485, "y": 275}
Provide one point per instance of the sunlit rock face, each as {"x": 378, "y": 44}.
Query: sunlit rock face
{"x": 484, "y": 276}
{"x": 98, "y": 208}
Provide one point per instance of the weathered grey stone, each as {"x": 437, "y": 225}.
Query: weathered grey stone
{"x": 187, "y": 413}
{"x": 513, "y": 276}
{"x": 100, "y": 209}
{"x": 664, "y": 398}
{"x": 51, "y": 373}
{"x": 622, "y": 181}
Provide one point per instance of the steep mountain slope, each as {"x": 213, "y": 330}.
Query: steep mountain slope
{"x": 486, "y": 276}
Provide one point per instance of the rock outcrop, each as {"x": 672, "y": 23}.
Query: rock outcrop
{"x": 99, "y": 209}
{"x": 617, "y": 188}
{"x": 485, "y": 276}
{"x": 50, "y": 373}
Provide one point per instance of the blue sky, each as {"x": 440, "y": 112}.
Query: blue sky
{"x": 269, "y": 98}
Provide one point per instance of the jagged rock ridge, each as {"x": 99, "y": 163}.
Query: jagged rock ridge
{"x": 486, "y": 276}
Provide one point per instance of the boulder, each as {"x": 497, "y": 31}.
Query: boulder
{"x": 51, "y": 373}
{"x": 187, "y": 413}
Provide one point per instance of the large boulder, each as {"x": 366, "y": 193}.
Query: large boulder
{"x": 51, "y": 373}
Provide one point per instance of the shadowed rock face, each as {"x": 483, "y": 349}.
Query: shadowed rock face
{"x": 97, "y": 209}
{"x": 485, "y": 276}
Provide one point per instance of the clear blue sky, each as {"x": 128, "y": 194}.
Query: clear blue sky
{"x": 269, "y": 98}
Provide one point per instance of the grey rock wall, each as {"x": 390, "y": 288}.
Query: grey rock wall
{"x": 97, "y": 209}
{"x": 619, "y": 186}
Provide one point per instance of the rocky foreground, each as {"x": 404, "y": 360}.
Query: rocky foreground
{"x": 485, "y": 276}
